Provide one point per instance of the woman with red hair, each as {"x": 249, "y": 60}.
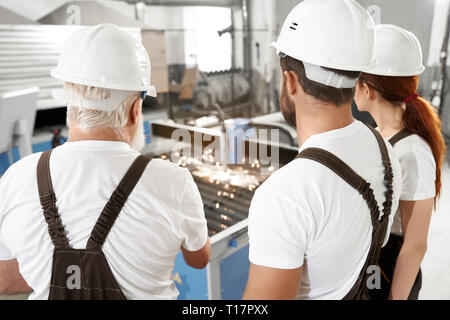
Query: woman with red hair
{"x": 389, "y": 93}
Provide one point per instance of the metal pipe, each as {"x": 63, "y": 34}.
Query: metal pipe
{"x": 247, "y": 40}
{"x": 248, "y": 67}
{"x": 444, "y": 56}
{"x": 221, "y": 115}
{"x": 210, "y": 3}
{"x": 233, "y": 55}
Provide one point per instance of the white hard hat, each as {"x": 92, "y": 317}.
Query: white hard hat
{"x": 397, "y": 51}
{"x": 107, "y": 57}
{"x": 337, "y": 34}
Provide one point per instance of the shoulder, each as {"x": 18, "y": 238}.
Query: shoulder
{"x": 418, "y": 169}
{"x": 412, "y": 144}
{"x": 25, "y": 167}
{"x": 414, "y": 153}
{"x": 294, "y": 183}
{"x": 166, "y": 170}
{"x": 166, "y": 179}
{"x": 284, "y": 210}
{"x": 288, "y": 174}
{"x": 17, "y": 182}
{"x": 420, "y": 146}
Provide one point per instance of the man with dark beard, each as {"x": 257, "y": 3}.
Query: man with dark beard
{"x": 316, "y": 226}
{"x": 93, "y": 218}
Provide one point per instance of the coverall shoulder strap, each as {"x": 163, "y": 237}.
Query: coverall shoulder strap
{"x": 360, "y": 290}
{"x": 388, "y": 173}
{"x": 47, "y": 198}
{"x": 405, "y": 133}
{"x": 339, "y": 167}
{"x": 381, "y": 144}
{"x": 335, "y": 164}
{"x": 115, "y": 204}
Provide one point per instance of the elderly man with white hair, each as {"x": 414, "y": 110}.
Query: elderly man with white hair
{"x": 94, "y": 219}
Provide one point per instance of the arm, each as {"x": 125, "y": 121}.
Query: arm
{"x": 198, "y": 259}
{"x": 416, "y": 218}
{"x": 196, "y": 246}
{"x": 279, "y": 230}
{"x": 272, "y": 284}
{"x": 11, "y": 281}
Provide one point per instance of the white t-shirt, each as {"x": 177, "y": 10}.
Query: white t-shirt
{"x": 418, "y": 173}
{"x": 306, "y": 215}
{"x": 163, "y": 213}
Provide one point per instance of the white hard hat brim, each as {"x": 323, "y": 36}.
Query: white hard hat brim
{"x": 272, "y": 45}
{"x": 151, "y": 90}
{"x": 75, "y": 100}
{"x": 315, "y": 61}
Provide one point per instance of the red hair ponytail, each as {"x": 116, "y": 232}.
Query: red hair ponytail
{"x": 420, "y": 117}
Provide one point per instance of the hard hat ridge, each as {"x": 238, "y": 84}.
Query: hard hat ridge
{"x": 337, "y": 34}
{"x": 405, "y": 58}
{"x": 108, "y": 57}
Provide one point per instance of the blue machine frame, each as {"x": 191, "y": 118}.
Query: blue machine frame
{"x": 226, "y": 276}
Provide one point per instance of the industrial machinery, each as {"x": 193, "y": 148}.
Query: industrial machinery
{"x": 224, "y": 94}
{"x": 227, "y": 88}
{"x": 287, "y": 135}
{"x": 17, "y": 115}
{"x": 227, "y": 191}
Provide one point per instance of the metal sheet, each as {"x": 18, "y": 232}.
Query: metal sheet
{"x": 29, "y": 52}
{"x": 210, "y": 3}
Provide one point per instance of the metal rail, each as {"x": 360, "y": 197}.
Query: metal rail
{"x": 209, "y": 3}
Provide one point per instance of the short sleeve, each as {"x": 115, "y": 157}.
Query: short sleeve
{"x": 194, "y": 225}
{"x": 278, "y": 231}
{"x": 5, "y": 254}
{"x": 419, "y": 175}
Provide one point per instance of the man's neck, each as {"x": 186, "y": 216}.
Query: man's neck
{"x": 75, "y": 134}
{"x": 389, "y": 118}
{"x": 322, "y": 118}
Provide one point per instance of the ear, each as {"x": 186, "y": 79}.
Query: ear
{"x": 292, "y": 84}
{"x": 368, "y": 91}
{"x": 134, "y": 112}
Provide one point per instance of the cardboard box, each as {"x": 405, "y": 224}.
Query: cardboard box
{"x": 187, "y": 85}
{"x": 155, "y": 43}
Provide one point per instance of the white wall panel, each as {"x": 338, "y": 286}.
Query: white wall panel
{"x": 29, "y": 52}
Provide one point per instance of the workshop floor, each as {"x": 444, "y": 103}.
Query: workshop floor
{"x": 436, "y": 266}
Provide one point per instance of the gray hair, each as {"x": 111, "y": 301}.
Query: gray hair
{"x": 87, "y": 119}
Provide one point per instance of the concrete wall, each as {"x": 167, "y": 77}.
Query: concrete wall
{"x": 413, "y": 15}
{"x": 33, "y": 10}
{"x": 155, "y": 17}
{"x": 171, "y": 20}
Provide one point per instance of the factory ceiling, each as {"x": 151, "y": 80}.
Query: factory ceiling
{"x": 9, "y": 17}
{"x": 212, "y": 3}
{"x": 93, "y": 13}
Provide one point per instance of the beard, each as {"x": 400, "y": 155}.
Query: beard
{"x": 288, "y": 108}
{"x": 138, "y": 140}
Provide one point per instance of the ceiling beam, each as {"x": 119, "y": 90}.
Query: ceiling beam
{"x": 209, "y": 3}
